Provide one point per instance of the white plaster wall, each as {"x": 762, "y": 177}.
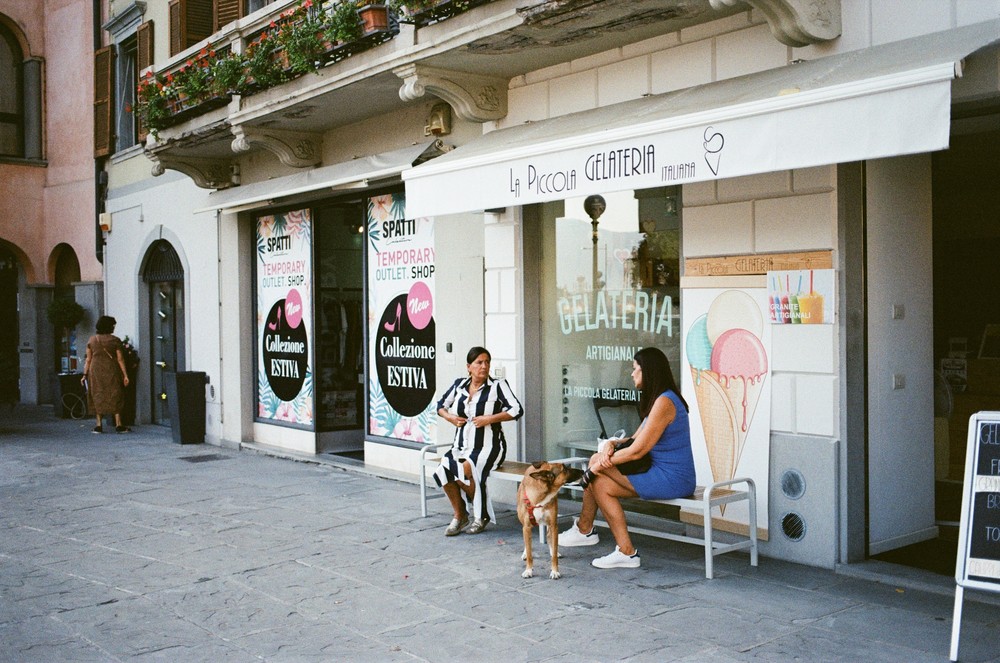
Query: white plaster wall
{"x": 162, "y": 208}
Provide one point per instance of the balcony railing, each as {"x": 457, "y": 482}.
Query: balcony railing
{"x": 300, "y": 40}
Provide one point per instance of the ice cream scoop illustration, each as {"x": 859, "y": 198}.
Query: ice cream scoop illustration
{"x": 728, "y": 366}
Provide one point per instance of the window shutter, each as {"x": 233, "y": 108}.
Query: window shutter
{"x": 144, "y": 59}
{"x": 103, "y": 101}
{"x": 144, "y": 45}
{"x": 227, "y": 11}
{"x": 190, "y": 22}
{"x": 174, "y": 12}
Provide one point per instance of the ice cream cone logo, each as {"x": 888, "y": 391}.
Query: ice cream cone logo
{"x": 728, "y": 367}
{"x": 713, "y": 144}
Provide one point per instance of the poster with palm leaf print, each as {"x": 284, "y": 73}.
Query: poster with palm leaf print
{"x": 401, "y": 332}
{"x": 284, "y": 318}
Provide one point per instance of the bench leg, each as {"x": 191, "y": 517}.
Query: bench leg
{"x": 709, "y": 551}
{"x": 423, "y": 489}
{"x": 752, "y": 494}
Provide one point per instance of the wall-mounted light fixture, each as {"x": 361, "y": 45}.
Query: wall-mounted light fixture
{"x": 439, "y": 121}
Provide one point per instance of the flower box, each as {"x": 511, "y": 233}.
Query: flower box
{"x": 440, "y": 11}
{"x": 374, "y": 17}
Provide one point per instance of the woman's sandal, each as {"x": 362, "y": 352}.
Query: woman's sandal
{"x": 478, "y": 525}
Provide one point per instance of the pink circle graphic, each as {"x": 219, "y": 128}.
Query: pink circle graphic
{"x": 419, "y": 305}
{"x": 293, "y": 308}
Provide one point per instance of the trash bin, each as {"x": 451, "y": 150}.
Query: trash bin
{"x": 72, "y": 401}
{"x": 186, "y": 405}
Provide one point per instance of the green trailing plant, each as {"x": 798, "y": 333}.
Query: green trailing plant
{"x": 301, "y": 36}
{"x": 152, "y": 104}
{"x": 262, "y": 67}
{"x": 344, "y": 24}
{"x": 229, "y": 74}
{"x": 291, "y": 45}
{"x": 194, "y": 79}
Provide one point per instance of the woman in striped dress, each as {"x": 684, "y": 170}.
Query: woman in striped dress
{"x": 476, "y": 405}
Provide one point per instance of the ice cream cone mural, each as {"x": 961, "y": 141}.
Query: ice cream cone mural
{"x": 728, "y": 367}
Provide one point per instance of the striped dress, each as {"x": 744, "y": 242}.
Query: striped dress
{"x": 485, "y": 448}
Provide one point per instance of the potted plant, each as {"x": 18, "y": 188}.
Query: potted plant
{"x": 301, "y": 37}
{"x": 262, "y": 69}
{"x": 193, "y": 81}
{"x": 131, "y": 356}
{"x": 344, "y": 25}
{"x": 374, "y": 17}
{"x": 152, "y": 106}
{"x": 229, "y": 75}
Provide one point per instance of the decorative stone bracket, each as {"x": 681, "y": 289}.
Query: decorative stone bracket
{"x": 298, "y": 149}
{"x": 474, "y": 97}
{"x": 795, "y": 22}
{"x": 206, "y": 173}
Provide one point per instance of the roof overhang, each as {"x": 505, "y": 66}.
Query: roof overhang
{"x": 355, "y": 174}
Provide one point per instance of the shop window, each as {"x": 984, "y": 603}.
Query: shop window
{"x": 11, "y": 95}
{"x": 601, "y": 301}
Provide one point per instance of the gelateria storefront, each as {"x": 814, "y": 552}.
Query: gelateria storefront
{"x": 609, "y": 285}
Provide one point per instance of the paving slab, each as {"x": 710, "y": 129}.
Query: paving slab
{"x": 119, "y": 547}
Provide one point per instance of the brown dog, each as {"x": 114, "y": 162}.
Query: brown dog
{"x": 537, "y": 503}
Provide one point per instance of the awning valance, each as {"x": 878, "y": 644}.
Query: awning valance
{"x": 877, "y": 102}
{"x": 357, "y": 172}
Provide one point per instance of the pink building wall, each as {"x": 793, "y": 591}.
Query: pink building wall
{"x": 43, "y": 205}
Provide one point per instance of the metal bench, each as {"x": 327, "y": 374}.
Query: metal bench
{"x": 704, "y": 499}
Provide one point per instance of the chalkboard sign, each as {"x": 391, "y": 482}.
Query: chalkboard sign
{"x": 979, "y": 535}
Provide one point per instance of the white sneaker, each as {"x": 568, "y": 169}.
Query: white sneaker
{"x": 617, "y": 560}
{"x": 574, "y": 537}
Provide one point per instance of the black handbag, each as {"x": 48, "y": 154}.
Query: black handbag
{"x": 637, "y": 466}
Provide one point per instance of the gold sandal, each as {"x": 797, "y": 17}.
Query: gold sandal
{"x": 457, "y": 525}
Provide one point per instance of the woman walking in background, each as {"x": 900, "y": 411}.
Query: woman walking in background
{"x": 104, "y": 374}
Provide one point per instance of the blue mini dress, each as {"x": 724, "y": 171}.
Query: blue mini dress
{"x": 672, "y": 473}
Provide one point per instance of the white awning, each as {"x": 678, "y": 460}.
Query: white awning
{"x": 882, "y": 101}
{"x": 357, "y": 172}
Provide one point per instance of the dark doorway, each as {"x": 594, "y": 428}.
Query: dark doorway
{"x": 164, "y": 276}
{"x": 9, "y": 331}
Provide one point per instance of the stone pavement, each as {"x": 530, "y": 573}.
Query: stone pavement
{"x": 120, "y": 547}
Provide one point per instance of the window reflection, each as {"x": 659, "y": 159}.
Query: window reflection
{"x": 601, "y": 302}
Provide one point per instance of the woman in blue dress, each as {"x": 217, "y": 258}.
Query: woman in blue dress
{"x": 476, "y": 405}
{"x": 665, "y": 435}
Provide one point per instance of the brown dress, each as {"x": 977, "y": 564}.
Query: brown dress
{"x": 105, "y": 388}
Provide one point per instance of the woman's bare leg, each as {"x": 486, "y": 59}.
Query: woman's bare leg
{"x": 454, "y": 493}
{"x": 608, "y": 494}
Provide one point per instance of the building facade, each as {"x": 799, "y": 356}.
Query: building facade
{"x": 783, "y": 196}
{"x": 49, "y": 243}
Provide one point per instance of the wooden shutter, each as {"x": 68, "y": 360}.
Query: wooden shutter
{"x": 227, "y": 11}
{"x": 190, "y": 22}
{"x": 104, "y": 91}
{"x": 143, "y": 58}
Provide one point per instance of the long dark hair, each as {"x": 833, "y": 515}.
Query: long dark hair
{"x": 656, "y": 378}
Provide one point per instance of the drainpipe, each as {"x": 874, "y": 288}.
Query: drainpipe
{"x": 100, "y": 177}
